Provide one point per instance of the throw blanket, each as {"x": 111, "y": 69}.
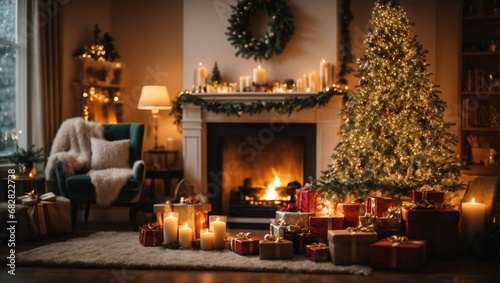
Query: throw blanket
{"x": 71, "y": 145}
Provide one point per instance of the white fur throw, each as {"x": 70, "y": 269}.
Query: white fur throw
{"x": 71, "y": 145}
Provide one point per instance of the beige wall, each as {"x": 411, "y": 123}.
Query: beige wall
{"x": 205, "y": 24}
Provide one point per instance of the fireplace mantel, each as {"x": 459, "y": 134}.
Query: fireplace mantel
{"x": 195, "y": 134}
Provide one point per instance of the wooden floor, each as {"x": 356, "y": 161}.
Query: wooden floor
{"x": 455, "y": 271}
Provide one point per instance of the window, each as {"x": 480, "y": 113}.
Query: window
{"x": 13, "y": 73}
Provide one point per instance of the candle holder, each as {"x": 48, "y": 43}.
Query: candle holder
{"x": 218, "y": 227}
{"x": 260, "y": 87}
{"x": 170, "y": 226}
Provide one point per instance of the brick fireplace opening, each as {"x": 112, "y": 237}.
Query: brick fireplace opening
{"x": 246, "y": 160}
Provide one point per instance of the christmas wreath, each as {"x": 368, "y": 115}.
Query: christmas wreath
{"x": 260, "y": 48}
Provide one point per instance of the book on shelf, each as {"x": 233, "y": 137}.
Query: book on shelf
{"x": 475, "y": 80}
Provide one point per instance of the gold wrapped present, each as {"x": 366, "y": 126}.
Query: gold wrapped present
{"x": 350, "y": 246}
{"x": 298, "y": 218}
{"x": 275, "y": 248}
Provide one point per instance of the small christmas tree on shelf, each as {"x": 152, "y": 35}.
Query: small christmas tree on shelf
{"x": 216, "y": 76}
{"x": 394, "y": 139}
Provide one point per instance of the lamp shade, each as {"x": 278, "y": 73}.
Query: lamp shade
{"x": 154, "y": 97}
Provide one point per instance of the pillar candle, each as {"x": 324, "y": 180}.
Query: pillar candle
{"x": 207, "y": 240}
{"x": 219, "y": 228}
{"x": 170, "y": 228}
{"x": 313, "y": 84}
{"x": 185, "y": 236}
{"x": 259, "y": 75}
{"x": 200, "y": 75}
{"x": 244, "y": 83}
{"x": 472, "y": 220}
{"x": 324, "y": 74}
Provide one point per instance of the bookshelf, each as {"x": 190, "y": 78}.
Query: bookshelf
{"x": 480, "y": 84}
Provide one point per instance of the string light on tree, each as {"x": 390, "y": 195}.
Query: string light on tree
{"x": 392, "y": 118}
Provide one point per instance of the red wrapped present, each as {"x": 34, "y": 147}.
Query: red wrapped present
{"x": 399, "y": 253}
{"x": 317, "y": 252}
{"x": 388, "y": 227}
{"x": 377, "y": 206}
{"x": 440, "y": 227}
{"x": 428, "y": 195}
{"x": 306, "y": 200}
{"x": 321, "y": 225}
{"x": 247, "y": 246}
{"x": 351, "y": 214}
{"x": 151, "y": 235}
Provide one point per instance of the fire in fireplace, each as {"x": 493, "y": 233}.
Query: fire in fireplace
{"x": 257, "y": 171}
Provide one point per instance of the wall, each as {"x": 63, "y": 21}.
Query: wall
{"x": 205, "y": 24}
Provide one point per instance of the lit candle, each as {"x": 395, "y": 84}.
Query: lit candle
{"x": 472, "y": 219}
{"x": 259, "y": 75}
{"x": 200, "y": 75}
{"x": 219, "y": 228}
{"x": 185, "y": 236}
{"x": 324, "y": 74}
{"x": 170, "y": 228}
{"x": 207, "y": 240}
{"x": 313, "y": 82}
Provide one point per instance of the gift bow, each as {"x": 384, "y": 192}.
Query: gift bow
{"x": 367, "y": 224}
{"x": 398, "y": 239}
{"x": 272, "y": 238}
{"x": 320, "y": 245}
{"x": 245, "y": 236}
{"x": 422, "y": 204}
{"x": 393, "y": 213}
{"x": 33, "y": 195}
{"x": 153, "y": 226}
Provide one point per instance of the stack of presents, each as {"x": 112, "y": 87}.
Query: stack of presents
{"x": 376, "y": 233}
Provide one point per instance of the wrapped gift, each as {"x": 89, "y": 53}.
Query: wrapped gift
{"x": 300, "y": 240}
{"x": 299, "y": 218}
{"x": 399, "y": 253}
{"x": 240, "y": 235}
{"x": 351, "y": 214}
{"x": 350, "y": 246}
{"x": 51, "y": 217}
{"x": 160, "y": 209}
{"x": 306, "y": 200}
{"x": 428, "y": 195}
{"x": 317, "y": 252}
{"x": 439, "y": 227}
{"x": 247, "y": 246}
{"x": 277, "y": 230}
{"x": 201, "y": 217}
{"x": 377, "y": 206}
{"x": 275, "y": 248}
{"x": 321, "y": 225}
{"x": 151, "y": 235}
{"x": 388, "y": 227}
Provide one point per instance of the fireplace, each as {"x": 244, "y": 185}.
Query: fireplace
{"x": 202, "y": 145}
{"x": 247, "y": 160}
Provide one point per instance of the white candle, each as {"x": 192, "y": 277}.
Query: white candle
{"x": 243, "y": 82}
{"x": 207, "y": 240}
{"x": 259, "y": 75}
{"x": 219, "y": 228}
{"x": 324, "y": 74}
{"x": 472, "y": 219}
{"x": 200, "y": 75}
{"x": 170, "y": 228}
{"x": 185, "y": 236}
{"x": 313, "y": 82}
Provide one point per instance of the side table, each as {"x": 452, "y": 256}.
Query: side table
{"x": 24, "y": 185}
{"x": 161, "y": 164}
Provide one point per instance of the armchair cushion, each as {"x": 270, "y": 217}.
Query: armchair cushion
{"x": 109, "y": 154}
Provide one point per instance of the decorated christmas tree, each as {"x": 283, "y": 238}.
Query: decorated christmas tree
{"x": 216, "y": 76}
{"x": 394, "y": 139}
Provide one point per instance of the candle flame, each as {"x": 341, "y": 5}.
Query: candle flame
{"x": 186, "y": 225}
{"x": 171, "y": 214}
{"x": 200, "y": 64}
{"x": 323, "y": 61}
{"x": 258, "y": 67}
{"x": 217, "y": 219}
{"x": 206, "y": 231}
{"x": 473, "y": 201}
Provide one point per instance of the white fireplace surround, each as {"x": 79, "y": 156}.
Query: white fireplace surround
{"x": 195, "y": 135}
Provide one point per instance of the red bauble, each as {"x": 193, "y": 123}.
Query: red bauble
{"x": 389, "y": 111}
{"x": 422, "y": 121}
{"x": 363, "y": 103}
{"x": 361, "y": 166}
{"x": 405, "y": 34}
{"x": 420, "y": 68}
{"x": 434, "y": 95}
{"x": 395, "y": 57}
{"x": 363, "y": 82}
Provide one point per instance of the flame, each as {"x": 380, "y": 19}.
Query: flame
{"x": 473, "y": 201}
{"x": 32, "y": 173}
{"x": 271, "y": 193}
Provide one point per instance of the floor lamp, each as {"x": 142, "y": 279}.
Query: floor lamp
{"x": 154, "y": 98}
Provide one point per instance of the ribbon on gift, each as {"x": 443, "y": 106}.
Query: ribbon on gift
{"x": 354, "y": 244}
{"x": 244, "y": 236}
{"x": 396, "y": 241}
{"x": 33, "y": 195}
{"x": 393, "y": 213}
{"x": 277, "y": 240}
{"x": 319, "y": 245}
{"x": 154, "y": 226}
{"x": 419, "y": 205}
{"x": 366, "y": 224}
{"x": 425, "y": 190}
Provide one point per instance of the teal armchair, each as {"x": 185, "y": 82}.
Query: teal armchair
{"x": 79, "y": 189}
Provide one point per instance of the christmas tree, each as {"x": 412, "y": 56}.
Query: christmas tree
{"x": 394, "y": 139}
{"x": 216, "y": 76}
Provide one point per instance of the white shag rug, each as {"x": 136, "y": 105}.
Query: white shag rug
{"x": 123, "y": 250}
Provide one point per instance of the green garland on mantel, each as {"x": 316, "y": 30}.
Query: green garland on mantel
{"x": 287, "y": 106}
